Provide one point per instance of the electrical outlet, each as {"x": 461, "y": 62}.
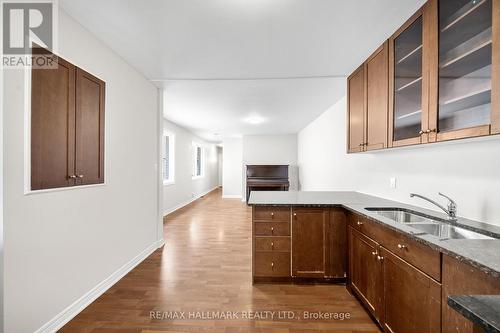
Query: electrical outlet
{"x": 393, "y": 182}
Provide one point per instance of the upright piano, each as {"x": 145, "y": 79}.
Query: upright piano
{"x": 267, "y": 178}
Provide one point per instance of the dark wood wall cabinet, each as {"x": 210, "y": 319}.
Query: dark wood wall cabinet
{"x": 67, "y": 127}
{"x": 436, "y": 79}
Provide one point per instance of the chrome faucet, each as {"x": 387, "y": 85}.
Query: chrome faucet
{"x": 451, "y": 211}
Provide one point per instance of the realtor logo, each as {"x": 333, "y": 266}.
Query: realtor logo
{"x": 27, "y": 26}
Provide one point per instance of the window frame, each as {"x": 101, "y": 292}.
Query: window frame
{"x": 170, "y": 180}
{"x": 194, "y": 174}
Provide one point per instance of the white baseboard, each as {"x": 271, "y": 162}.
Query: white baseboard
{"x": 231, "y": 197}
{"x": 179, "y": 206}
{"x": 71, "y": 311}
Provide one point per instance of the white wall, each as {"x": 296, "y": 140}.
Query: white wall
{"x": 232, "y": 165}
{"x": 220, "y": 161}
{"x": 185, "y": 188}
{"x": 467, "y": 171}
{"x": 61, "y": 244}
{"x": 272, "y": 149}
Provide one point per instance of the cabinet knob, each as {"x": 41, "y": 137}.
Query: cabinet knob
{"x": 421, "y": 132}
{"x": 80, "y": 176}
{"x": 402, "y": 246}
{"x": 380, "y": 258}
{"x": 272, "y": 213}
{"x": 272, "y": 245}
{"x": 374, "y": 253}
{"x": 430, "y": 131}
{"x": 72, "y": 177}
{"x": 359, "y": 223}
{"x": 295, "y": 214}
{"x": 272, "y": 230}
{"x": 272, "y": 265}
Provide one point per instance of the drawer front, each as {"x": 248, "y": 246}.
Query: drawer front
{"x": 272, "y": 228}
{"x": 264, "y": 213}
{"x": 269, "y": 264}
{"x": 272, "y": 244}
{"x": 356, "y": 221}
{"x": 419, "y": 255}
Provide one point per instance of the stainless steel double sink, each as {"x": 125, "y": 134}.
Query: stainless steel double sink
{"x": 433, "y": 226}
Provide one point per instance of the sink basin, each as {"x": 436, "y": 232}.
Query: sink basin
{"x": 446, "y": 231}
{"x": 430, "y": 225}
{"x": 402, "y": 215}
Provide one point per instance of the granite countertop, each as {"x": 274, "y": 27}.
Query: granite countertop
{"x": 482, "y": 310}
{"x": 480, "y": 253}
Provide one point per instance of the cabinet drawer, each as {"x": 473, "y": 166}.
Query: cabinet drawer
{"x": 272, "y": 228}
{"x": 264, "y": 213}
{"x": 272, "y": 244}
{"x": 419, "y": 255}
{"x": 272, "y": 264}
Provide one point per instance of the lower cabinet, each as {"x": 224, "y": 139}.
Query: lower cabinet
{"x": 412, "y": 299}
{"x": 299, "y": 242}
{"x": 400, "y": 297}
{"x": 459, "y": 278}
{"x": 309, "y": 244}
{"x": 365, "y": 271}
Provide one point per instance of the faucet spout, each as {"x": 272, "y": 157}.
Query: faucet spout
{"x": 451, "y": 211}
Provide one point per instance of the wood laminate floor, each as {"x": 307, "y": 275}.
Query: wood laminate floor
{"x": 205, "y": 269}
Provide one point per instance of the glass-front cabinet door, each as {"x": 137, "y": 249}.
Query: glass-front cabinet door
{"x": 408, "y": 81}
{"x": 464, "y": 68}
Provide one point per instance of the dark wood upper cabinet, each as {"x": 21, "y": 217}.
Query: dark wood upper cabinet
{"x": 368, "y": 103}
{"x": 442, "y": 82}
{"x": 377, "y": 85}
{"x": 67, "y": 127}
{"x": 309, "y": 242}
{"x": 89, "y": 161}
{"x": 409, "y": 81}
{"x": 356, "y": 110}
{"x": 464, "y": 68}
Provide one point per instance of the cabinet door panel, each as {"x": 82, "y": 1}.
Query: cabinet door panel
{"x": 377, "y": 95}
{"x": 308, "y": 242}
{"x": 336, "y": 253}
{"x": 356, "y": 110}
{"x": 408, "y": 82}
{"x": 409, "y": 294}
{"x": 52, "y": 126}
{"x": 89, "y": 129}
{"x": 465, "y": 69}
{"x": 365, "y": 272}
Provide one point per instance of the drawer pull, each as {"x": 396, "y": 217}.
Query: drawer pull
{"x": 272, "y": 245}
{"x": 272, "y": 230}
{"x": 272, "y": 266}
{"x": 359, "y": 223}
{"x": 380, "y": 258}
{"x": 272, "y": 214}
{"x": 402, "y": 246}
{"x": 295, "y": 214}
{"x": 374, "y": 253}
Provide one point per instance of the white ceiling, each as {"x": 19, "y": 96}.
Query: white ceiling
{"x": 220, "y": 107}
{"x": 241, "y": 39}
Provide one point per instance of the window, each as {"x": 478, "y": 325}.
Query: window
{"x": 168, "y": 158}
{"x": 198, "y": 161}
